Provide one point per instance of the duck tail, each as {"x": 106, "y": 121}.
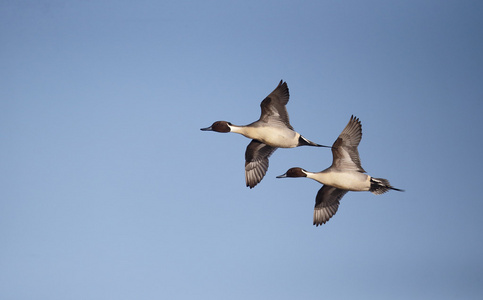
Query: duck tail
{"x": 380, "y": 186}
{"x": 305, "y": 142}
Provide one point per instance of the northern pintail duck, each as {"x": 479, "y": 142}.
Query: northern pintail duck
{"x": 271, "y": 131}
{"x": 345, "y": 174}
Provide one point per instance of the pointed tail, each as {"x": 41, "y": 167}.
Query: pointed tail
{"x": 381, "y": 185}
{"x": 305, "y": 142}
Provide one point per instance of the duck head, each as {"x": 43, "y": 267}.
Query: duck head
{"x": 294, "y": 172}
{"x": 218, "y": 126}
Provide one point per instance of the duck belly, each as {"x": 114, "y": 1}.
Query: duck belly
{"x": 351, "y": 181}
{"x": 275, "y": 137}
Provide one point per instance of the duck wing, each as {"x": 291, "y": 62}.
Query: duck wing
{"x": 256, "y": 162}
{"x": 327, "y": 203}
{"x": 345, "y": 155}
{"x": 273, "y": 106}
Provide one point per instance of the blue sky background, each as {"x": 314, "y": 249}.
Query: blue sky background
{"x": 109, "y": 190}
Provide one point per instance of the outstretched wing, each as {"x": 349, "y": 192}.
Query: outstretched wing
{"x": 273, "y": 106}
{"x": 256, "y": 162}
{"x": 327, "y": 203}
{"x": 344, "y": 150}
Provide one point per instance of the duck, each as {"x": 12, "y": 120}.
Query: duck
{"x": 344, "y": 175}
{"x": 270, "y": 132}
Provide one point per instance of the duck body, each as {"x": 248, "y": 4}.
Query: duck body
{"x": 350, "y": 181}
{"x": 271, "y": 131}
{"x": 345, "y": 174}
{"x": 275, "y": 136}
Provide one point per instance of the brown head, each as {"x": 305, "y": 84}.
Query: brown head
{"x": 218, "y": 126}
{"x": 294, "y": 172}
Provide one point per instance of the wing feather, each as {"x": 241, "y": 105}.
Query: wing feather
{"x": 273, "y": 106}
{"x": 256, "y": 162}
{"x": 344, "y": 150}
{"x": 327, "y": 203}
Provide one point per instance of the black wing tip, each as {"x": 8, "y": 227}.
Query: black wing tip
{"x": 284, "y": 87}
{"x": 252, "y": 182}
{"x": 355, "y": 119}
{"x": 322, "y": 221}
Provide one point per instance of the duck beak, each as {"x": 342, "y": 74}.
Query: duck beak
{"x": 206, "y": 129}
{"x": 282, "y": 176}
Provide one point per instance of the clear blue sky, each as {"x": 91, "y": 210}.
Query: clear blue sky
{"x": 109, "y": 190}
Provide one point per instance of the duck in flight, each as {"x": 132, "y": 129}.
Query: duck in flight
{"x": 271, "y": 131}
{"x": 345, "y": 174}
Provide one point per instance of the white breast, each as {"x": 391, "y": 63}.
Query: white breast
{"x": 351, "y": 181}
{"x": 273, "y": 136}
